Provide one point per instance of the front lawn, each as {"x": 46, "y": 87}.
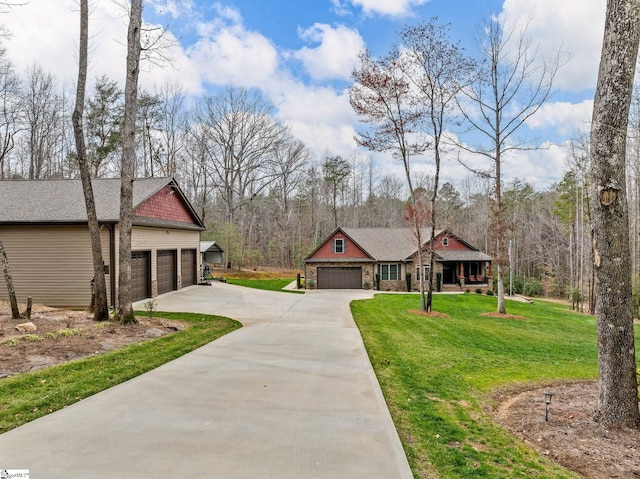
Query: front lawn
{"x": 270, "y": 284}
{"x": 28, "y": 396}
{"x": 437, "y": 375}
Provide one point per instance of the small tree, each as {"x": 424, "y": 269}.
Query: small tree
{"x": 382, "y": 97}
{"x": 15, "y": 312}
{"x": 511, "y": 86}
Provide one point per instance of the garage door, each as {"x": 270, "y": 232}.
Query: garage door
{"x": 188, "y": 267}
{"x": 167, "y": 271}
{"x": 140, "y": 273}
{"x": 340, "y": 278}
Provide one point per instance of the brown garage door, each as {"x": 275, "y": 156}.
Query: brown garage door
{"x": 340, "y": 278}
{"x": 140, "y": 273}
{"x": 188, "y": 267}
{"x": 167, "y": 271}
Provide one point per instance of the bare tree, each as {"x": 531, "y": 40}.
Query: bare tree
{"x": 439, "y": 69}
{"x": 9, "y": 108}
{"x": 512, "y": 85}
{"x": 42, "y": 113}
{"x": 99, "y": 285}
{"x": 15, "y": 312}
{"x": 241, "y": 138}
{"x": 618, "y": 396}
{"x": 381, "y": 96}
{"x": 125, "y": 312}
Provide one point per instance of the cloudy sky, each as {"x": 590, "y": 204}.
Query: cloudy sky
{"x": 300, "y": 54}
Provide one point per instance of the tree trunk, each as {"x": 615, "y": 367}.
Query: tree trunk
{"x": 15, "y": 312}
{"x": 125, "y": 308}
{"x": 99, "y": 285}
{"x": 618, "y": 396}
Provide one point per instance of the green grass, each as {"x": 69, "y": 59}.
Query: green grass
{"x": 267, "y": 284}
{"x": 28, "y": 396}
{"x": 437, "y": 375}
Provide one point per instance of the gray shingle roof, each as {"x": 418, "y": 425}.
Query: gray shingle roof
{"x": 386, "y": 244}
{"x": 62, "y": 201}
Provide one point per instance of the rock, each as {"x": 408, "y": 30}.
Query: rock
{"x": 153, "y": 333}
{"x": 26, "y": 327}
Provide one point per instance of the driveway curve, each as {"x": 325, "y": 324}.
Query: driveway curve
{"x": 292, "y": 394}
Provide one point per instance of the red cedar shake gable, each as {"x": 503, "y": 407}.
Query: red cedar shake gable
{"x": 446, "y": 241}
{"x": 167, "y": 205}
{"x": 326, "y": 250}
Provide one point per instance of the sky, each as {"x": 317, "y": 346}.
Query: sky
{"x": 300, "y": 55}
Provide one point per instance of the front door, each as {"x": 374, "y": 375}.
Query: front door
{"x": 449, "y": 273}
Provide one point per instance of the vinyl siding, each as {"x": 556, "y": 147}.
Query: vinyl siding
{"x": 52, "y": 264}
{"x": 151, "y": 239}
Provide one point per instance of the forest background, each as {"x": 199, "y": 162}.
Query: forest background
{"x": 268, "y": 199}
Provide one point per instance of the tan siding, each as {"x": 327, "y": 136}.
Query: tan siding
{"x": 145, "y": 238}
{"x": 52, "y": 264}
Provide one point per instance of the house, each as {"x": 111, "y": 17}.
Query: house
{"x": 355, "y": 258}
{"x": 43, "y": 226}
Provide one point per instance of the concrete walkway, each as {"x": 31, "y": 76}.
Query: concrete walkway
{"x": 290, "y": 395}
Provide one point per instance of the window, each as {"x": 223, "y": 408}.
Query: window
{"x": 339, "y": 245}
{"x": 389, "y": 272}
{"x": 445, "y": 241}
{"x": 425, "y": 268}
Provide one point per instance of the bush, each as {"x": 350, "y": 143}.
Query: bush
{"x": 532, "y": 287}
{"x": 478, "y": 291}
{"x": 489, "y": 292}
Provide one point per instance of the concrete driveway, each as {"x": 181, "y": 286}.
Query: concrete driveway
{"x": 290, "y": 395}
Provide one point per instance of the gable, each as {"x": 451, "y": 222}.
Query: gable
{"x": 346, "y": 248}
{"x": 446, "y": 241}
{"x": 165, "y": 205}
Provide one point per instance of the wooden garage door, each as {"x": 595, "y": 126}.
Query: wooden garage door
{"x": 340, "y": 278}
{"x": 188, "y": 267}
{"x": 167, "y": 271}
{"x": 140, "y": 273}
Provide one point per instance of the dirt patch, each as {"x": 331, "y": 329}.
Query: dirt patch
{"x": 431, "y": 314}
{"x": 571, "y": 438}
{"x": 63, "y": 335}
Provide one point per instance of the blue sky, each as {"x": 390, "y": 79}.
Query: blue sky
{"x": 300, "y": 54}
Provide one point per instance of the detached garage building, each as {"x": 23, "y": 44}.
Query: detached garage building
{"x": 43, "y": 226}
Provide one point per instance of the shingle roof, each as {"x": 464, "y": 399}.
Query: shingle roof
{"x": 62, "y": 201}
{"x": 386, "y": 244}
{"x": 209, "y": 246}
{"x": 462, "y": 255}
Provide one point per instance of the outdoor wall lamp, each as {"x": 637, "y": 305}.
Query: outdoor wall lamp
{"x": 547, "y": 401}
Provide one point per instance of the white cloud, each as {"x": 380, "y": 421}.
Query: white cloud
{"x": 394, "y": 8}
{"x": 540, "y": 168}
{"x": 565, "y": 118}
{"x": 574, "y": 26}
{"x": 336, "y": 54}
{"x": 320, "y": 117}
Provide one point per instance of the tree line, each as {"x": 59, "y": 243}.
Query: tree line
{"x": 268, "y": 200}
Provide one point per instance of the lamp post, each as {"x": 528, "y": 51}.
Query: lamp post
{"x": 547, "y": 400}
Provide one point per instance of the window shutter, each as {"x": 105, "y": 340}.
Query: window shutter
{"x": 333, "y": 246}
{"x": 344, "y": 246}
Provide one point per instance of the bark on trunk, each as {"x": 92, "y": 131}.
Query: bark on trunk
{"x": 15, "y": 312}
{"x": 125, "y": 308}
{"x": 99, "y": 285}
{"x": 618, "y": 396}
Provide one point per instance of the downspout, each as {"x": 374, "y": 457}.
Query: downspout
{"x": 112, "y": 261}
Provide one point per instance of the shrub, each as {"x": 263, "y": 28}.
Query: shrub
{"x": 532, "y": 287}
{"x": 478, "y": 291}
{"x": 489, "y": 292}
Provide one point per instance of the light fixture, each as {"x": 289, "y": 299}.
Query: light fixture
{"x": 547, "y": 400}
